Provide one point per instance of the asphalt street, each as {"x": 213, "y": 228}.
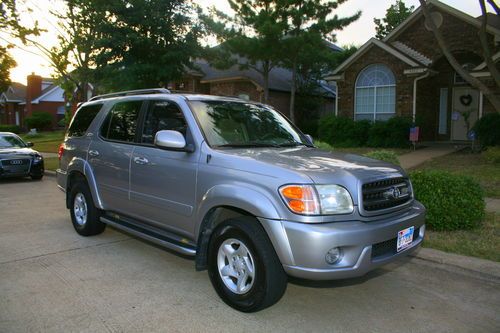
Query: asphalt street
{"x": 53, "y": 280}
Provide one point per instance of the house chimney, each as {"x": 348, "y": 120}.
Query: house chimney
{"x": 33, "y": 90}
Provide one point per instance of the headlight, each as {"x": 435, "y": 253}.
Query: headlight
{"x": 38, "y": 158}
{"x": 317, "y": 200}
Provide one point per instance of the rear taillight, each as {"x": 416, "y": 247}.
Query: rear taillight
{"x": 60, "y": 151}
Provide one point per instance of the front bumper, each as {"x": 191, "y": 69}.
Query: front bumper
{"x": 302, "y": 247}
{"x": 32, "y": 168}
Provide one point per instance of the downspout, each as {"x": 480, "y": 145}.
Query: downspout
{"x": 415, "y": 93}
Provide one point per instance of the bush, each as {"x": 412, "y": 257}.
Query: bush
{"x": 62, "y": 122}
{"x": 323, "y": 145}
{"x": 342, "y": 131}
{"x": 39, "y": 120}
{"x": 453, "y": 202}
{"x": 488, "y": 129}
{"x": 391, "y": 133}
{"x": 384, "y": 155}
{"x": 492, "y": 155}
{"x": 10, "y": 128}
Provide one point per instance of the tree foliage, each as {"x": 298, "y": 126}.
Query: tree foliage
{"x": 394, "y": 16}
{"x": 6, "y": 64}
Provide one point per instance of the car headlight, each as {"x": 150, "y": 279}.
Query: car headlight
{"x": 38, "y": 158}
{"x": 317, "y": 200}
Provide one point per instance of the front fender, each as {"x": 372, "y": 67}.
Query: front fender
{"x": 80, "y": 165}
{"x": 238, "y": 195}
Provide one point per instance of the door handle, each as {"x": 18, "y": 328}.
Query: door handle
{"x": 141, "y": 160}
{"x": 93, "y": 153}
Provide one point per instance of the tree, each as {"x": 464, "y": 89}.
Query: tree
{"x": 6, "y": 64}
{"x": 250, "y": 39}
{"x": 145, "y": 43}
{"x": 309, "y": 22}
{"x": 473, "y": 81}
{"x": 394, "y": 16}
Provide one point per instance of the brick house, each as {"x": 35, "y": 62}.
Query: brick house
{"x": 405, "y": 74}
{"x": 39, "y": 95}
{"x": 248, "y": 84}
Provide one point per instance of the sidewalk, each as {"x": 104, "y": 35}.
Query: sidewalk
{"x": 492, "y": 205}
{"x": 420, "y": 156}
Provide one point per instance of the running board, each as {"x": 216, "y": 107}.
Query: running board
{"x": 159, "y": 237}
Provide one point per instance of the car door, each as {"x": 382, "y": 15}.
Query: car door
{"x": 110, "y": 152}
{"x": 163, "y": 182}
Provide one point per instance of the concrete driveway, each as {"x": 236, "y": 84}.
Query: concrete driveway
{"x": 52, "y": 280}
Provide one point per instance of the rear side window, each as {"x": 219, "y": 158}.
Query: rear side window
{"x": 121, "y": 122}
{"x": 162, "y": 115}
{"x": 82, "y": 119}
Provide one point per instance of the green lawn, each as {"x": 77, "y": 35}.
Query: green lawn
{"x": 51, "y": 163}
{"x": 482, "y": 242}
{"x": 47, "y": 142}
{"x": 359, "y": 150}
{"x": 471, "y": 164}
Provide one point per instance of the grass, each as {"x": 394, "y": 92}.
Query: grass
{"x": 359, "y": 150}
{"x": 482, "y": 242}
{"x": 47, "y": 142}
{"x": 474, "y": 165}
{"x": 51, "y": 163}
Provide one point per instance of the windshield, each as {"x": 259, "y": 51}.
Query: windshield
{"x": 9, "y": 141}
{"x": 237, "y": 124}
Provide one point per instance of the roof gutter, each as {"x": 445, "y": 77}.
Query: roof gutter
{"x": 415, "y": 81}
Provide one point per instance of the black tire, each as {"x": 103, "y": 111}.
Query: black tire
{"x": 37, "y": 177}
{"x": 92, "y": 225}
{"x": 270, "y": 278}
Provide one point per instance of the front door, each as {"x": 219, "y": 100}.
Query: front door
{"x": 163, "y": 182}
{"x": 465, "y": 111}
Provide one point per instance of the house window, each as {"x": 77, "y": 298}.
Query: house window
{"x": 375, "y": 93}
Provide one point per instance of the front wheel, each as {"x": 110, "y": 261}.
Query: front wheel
{"x": 243, "y": 266}
{"x": 84, "y": 215}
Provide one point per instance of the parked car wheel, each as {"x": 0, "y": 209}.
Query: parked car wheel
{"x": 84, "y": 215}
{"x": 243, "y": 266}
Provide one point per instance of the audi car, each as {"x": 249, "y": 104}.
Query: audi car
{"x": 18, "y": 159}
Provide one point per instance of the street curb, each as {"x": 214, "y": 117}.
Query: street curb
{"x": 484, "y": 267}
{"x": 49, "y": 173}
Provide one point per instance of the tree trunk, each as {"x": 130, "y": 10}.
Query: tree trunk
{"x": 494, "y": 5}
{"x": 476, "y": 83}
{"x": 265, "y": 77}
{"x": 293, "y": 90}
{"x": 486, "y": 50}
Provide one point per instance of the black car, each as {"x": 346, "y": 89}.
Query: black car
{"x": 17, "y": 159}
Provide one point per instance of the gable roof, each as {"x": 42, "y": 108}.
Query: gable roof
{"x": 15, "y": 93}
{"x": 491, "y": 27}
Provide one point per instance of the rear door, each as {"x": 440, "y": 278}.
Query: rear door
{"x": 163, "y": 182}
{"x": 110, "y": 152}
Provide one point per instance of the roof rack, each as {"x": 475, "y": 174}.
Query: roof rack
{"x": 132, "y": 92}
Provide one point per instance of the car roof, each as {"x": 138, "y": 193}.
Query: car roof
{"x": 8, "y": 133}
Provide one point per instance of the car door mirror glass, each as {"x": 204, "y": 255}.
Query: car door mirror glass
{"x": 29, "y": 144}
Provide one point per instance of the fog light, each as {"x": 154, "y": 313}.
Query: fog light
{"x": 333, "y": 255}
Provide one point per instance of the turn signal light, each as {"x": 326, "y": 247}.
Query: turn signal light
{"x": 300, "y": 199}
{"x": 60, "y": 151}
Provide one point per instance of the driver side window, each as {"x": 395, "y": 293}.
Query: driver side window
{"x": 162, "y": 115}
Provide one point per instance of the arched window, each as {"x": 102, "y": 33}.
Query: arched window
{"x": 375, "y": 93}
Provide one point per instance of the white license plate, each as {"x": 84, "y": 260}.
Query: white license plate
{"x": 405, "y": 237}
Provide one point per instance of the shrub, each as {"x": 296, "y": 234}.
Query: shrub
{"x": 39, "y": 120}
{"x": 488, "y": 129}
{"x": 492, "y": 155}
{"x": 10, "y": 128}
{"x": 62, "y": 122}
{"x": 342, "y": 131}
{"x": 309, "y": 126}
{"x": 384, "y": 155}
{"x": 453, "y": 202}
{"x": 391, "y": 133}
{"x": 323, "y": 145}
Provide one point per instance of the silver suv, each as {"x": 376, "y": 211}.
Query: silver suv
{"x": 237, "y": 186}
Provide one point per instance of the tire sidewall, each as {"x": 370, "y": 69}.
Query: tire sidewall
{"x": 89, "y": 227}
{"x": 251, "y": 299}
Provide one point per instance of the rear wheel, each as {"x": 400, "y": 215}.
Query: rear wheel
{"x": 243, "y": 266}
{"x": 84, "y": 215}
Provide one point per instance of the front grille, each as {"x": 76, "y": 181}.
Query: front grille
{"x": 390, "y": 247}
{"x": 16, "y": 166}
{"x": 387, "y": 193}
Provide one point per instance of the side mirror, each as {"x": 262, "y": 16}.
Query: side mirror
{"x": 29, "y": 144}
{"x": 172, "y": 140}
{"x": 310, "y": 138}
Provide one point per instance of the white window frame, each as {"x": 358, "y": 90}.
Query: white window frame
{"x": 375, "y": 113}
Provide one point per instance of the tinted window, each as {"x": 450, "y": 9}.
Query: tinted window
{"x": 9, "y": 141}
{"x": 121, "y": 122}
{"x": 82, "y": 119}
{"x": 162, "y": 115}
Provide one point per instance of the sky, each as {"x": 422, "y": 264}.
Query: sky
{"x": 28, "y": 59}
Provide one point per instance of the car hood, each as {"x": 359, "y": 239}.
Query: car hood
{"x": 322, "y": 167}
{"x": 17, "y": 153}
